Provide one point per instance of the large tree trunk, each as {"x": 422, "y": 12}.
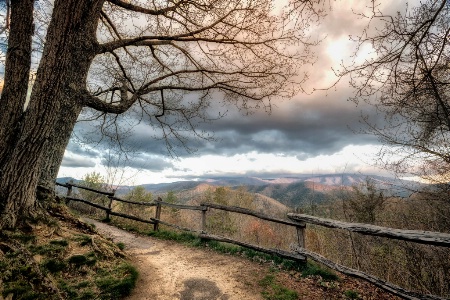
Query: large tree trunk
{"x": 68, "y": 53}
{"x": 17, "y": 70}
{"x": 55, "y": 148}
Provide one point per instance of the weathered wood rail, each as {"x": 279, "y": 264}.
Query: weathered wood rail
{"x": 416, "y": 236}
{"x": 387, "y": 286}
{"x": 296, "y": 220}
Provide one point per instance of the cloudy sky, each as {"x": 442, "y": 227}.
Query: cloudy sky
{"x": 310, "y": 134}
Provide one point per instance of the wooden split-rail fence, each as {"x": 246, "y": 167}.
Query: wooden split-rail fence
{"x": 299, "y": 221}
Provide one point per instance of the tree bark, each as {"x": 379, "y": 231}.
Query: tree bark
{"x": 55, "y": 148}
{"x": 68, "y": 52}
{"x": 17, "y": 70}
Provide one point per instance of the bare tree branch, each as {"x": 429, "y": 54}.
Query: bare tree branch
{"x": 114, "y": 107}
{"x": 139, "y": 9}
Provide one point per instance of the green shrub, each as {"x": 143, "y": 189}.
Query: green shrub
{"x": 24, "y": 238}
{"x": 48, "y": 250}
{"x": 351, "y": 294}
{"x": 275, "y": 291}
{"x": 85, "y": 240}
{"x": 59, "y": 242}
{"x": 79, "y": 260}
{"x": 311, "y": 269}
{"x": 121, "y": 245}
{"x": 70, "y": 291}
{"x": 83, "y": 284}
{"x": 21, "y": 290}
{"x": 54, "y": 265}
{"x": 118, "y": 283}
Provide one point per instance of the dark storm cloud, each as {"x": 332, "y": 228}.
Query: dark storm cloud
{"x": 304, "y": 129}
{"x": 81, "y": 162}
{"x": 143, "y": 162}
{"x": 83, "y": 150}
{"x": 145, "y": 139}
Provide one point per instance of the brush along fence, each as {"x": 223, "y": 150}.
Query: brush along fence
{"x": 416, "y": 236}
{"x": 300, "y": 253}
{"x": 203, "y": 208}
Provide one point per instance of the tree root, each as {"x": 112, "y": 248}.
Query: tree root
{"x": 61, "y": 212}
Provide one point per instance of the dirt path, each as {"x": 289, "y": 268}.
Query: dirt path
{"x": 169, "y": 270}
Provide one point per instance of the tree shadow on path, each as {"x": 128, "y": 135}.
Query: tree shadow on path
{"x": 201, "y": 289}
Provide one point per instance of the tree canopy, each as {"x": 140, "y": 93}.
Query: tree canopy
{"x": 167, "y": 62}
{"x": 406, "y": 77}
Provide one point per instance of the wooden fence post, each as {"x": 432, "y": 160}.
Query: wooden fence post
{"x": 204, "y": 210}
{"x": 69, "y": 192}
{"x": 107, "y": 219}
{"x": 301, "y": 234}
{"x": 157, "y": 214}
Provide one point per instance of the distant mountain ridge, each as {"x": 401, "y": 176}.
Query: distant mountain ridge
{"x": 336, "y": 180}
{"x": 292, "y": 191}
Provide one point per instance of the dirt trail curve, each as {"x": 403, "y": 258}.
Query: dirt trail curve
{"x": 169, "y": 270}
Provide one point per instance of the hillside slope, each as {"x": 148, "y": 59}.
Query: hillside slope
{"x": 60, "y": 257}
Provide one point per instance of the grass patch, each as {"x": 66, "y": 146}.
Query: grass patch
{"x": 79, "y": 260}
{"x": 126, "y": 226}
{"x": 21, "y": 290}
{"x": 119, "y": 283}
{"x": 109, "y": 282}
{"x": 274, "y": 291}
{"x": 121, "y": 246}
{"x": 83, "y": 284}
{"x": 62, "y": 243}
{"x": 83, "y": 239}
{"x": 183, "y": 237}
{"x": 351, "y": 294}
{"x": 54, "y": 265}
{"x": 222, "y": 247}
{"x": 18, "y": 277}
{"x": 313, "y": 269}
{"x": 24, "y": 238}
{"x": 50, "y": 250}
{"x": 34, "y": 266}
{"x": 70, "y": 291}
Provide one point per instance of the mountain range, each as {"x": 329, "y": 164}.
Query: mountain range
{"x": 292, "y": 191}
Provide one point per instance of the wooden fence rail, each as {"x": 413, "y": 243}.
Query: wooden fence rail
{"x": 387, "y": 286}
{"x": 86, "y": 188}
{"x": 253, "y": 213}
{"x": 296, "y": 220}
{"x": 109, "y": 211}
{"x": 417, "y": 236}
{"x": 132, "y": 202}
{"x": 278, "y": 252}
